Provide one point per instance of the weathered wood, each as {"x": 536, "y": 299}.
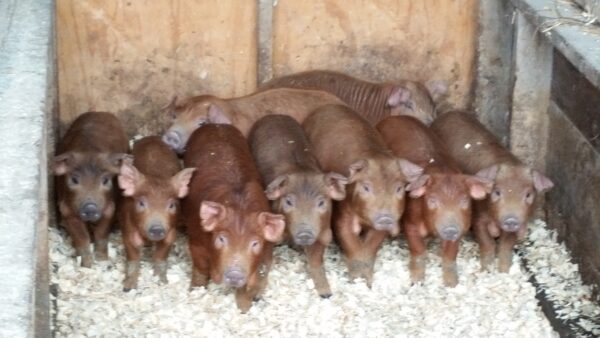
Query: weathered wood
{"x": 574, "y": 165}
{"x": 590, "y": 6}
{"x": 131, "y": 57}
{"x": 493, "y": 84}
{"x": 265, "y": 40}
{"x": 577, "y": 97}
{"x": 581, "y": 48}
{"x": 531, "y": 94}
{"x": 380, "y": 40}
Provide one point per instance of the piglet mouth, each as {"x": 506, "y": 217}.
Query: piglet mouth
{"x": 511, "y": 224}
{"x": 450, "y": 233}
{"x": 234, "y": 277}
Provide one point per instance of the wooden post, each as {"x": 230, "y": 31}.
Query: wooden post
{"x": 531, "y": 93}
{"x": 265, "y": 41}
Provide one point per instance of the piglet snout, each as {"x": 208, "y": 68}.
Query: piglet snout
{"x": 450, "y": 232}
{"x": 89, "y": 212}
{"x": 156, "y": 232}
{"x": 305, "y": 237}
{"x": 511, "y": 224}
{"x": 173, "y": 139}
{"x": 384, "y": 222}
{"x": 234, "y": 277}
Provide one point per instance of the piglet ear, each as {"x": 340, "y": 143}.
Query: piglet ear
{"x": 336, "y": 185}
{"x": 63, "y": 163}
{"x": 541, "y": 182}
{"x": 419, "y": 187}
{"x": 210, "y": 214}
{"x": 181, "y": 180}
{"x": 216, "y": 115}
{"x": 116, "y": 160}
{"x": 356, "y": 169}
{"x": 436, "y": 89}
{"x": 398, "y": 96}
{"x": 272, "y": 226}
{"x": 276, "y": 188}
{"x": 129, "y": 179}
{"x": 411, "y": 171}
{"x": 490, "y": 173}
{"x": 479, "y": 187}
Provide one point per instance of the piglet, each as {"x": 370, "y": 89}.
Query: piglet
{"x": 231, "y": 231}
{"x": 441, "y": 206}
{"x": 298, "y": 188}
{"x": 89, "y": 156}
{"x": 374, "y": 101}
{"x": 153, "y": 185}
{"x": 242, "y": 112}
{"x": 345, "y": 142}
{"x": 505, "y": 213}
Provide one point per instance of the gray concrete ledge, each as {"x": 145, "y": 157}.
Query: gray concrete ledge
{"x": 26, "y": 86}
{"x": 576, "y": 42}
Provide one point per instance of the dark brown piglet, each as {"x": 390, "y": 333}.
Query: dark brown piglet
{"x": 441, "y": 206}
{"x": 242, "y": 112}
{"x": 344, "y": 142}
{"x": 505, "y": 213}
{"x": 231, "y": 231}
{"x": 89, "y": 156}
{"x": 153, "y": 185}
{"x": 374, "y": 101}
{"x": 298, "y": 188}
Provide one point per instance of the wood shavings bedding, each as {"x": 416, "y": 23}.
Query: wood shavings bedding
{"x": 90, "y": 302}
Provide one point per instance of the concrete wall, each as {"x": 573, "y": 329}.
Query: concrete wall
{"x": 26, "y": 98}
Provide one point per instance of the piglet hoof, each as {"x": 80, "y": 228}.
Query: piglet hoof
{"x": 86, "y": 256}
{"x": 450, "y": 279}
{"x": 130, "y": 283}
{"x": 243, "y": 302}
{"x": 417, "y": 269}
{"x": 101, "y": 256}
{"x": 504, "y": 262}
{"x": 357, "y": 269}
{"x": 487, "y": 262}
{"x": 160, "y": 270}
{"x": 101, "y": 250}
{"x": 325, "y": 295}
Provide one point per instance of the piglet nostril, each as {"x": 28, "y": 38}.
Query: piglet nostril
{"x": 89, "y": 212}
{"x": 172, "y": 139}
{"x": 304, "y": 237}
{"x": 234, "y": 277}
{"x": 156, "y": 232}
{"x": 450, "y": 233}
{"x": 511, "y": 224}
{"x": 384, "y": 222}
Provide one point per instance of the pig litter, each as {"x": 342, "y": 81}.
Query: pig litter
{"x": 90, "y": 302}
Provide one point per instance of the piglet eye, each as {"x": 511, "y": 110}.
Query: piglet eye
{"x": 74, "y": 180}
{"x": 172, "y": 205}
{"x": 432, "y": 203}
{"x": 496, "y": 193}
{"x": 410, "y": 105}
{"x": 255, "y": 246}
{"x": 106, "y": 181}
{"x": 400, "y": 189}
{"x": 528, "y": 195}
{"x": 288, "y": 202}
{"x": 366, "y": 188}
{"x": 321, "y": 203}
{"x": 221, "y": 241}
{"x": 141, "y": 204}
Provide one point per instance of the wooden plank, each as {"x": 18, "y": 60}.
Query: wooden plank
{"x": 380, "y": 40}
{"x": 493, "y": 84}
{"x": 574, "y": 165}
{"x": 579, "y": 46}
{"x": 531, "y": 94}
{"x": 131, "y": 57}
{"x": 265, "y": 40}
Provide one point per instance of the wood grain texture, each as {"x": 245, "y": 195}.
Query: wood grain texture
{"x": 380, "y": 40}
{"x": 131, "y": 56}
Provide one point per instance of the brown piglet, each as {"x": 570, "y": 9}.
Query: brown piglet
{"x": 298, "y": 188}
{"x": 505, "y": 213}
{"x": 441, "y": 206}
{"x": 374, "y": 101}
{"x": 242, "y": 112}
{"x": 149, "y": 213}
{"x": 346, "y": 143}
{"x": 231, "y": 230}
{"x": 89, "y": 156}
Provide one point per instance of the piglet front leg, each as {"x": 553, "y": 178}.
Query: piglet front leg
{"x": 133, "y": 247}
{"x": 101, "y": 233}
{"x": 316, "y": 271}
{"x": 161, "y": 254}
{"x": 77, "y": 229}
{"x": 505, "y": 250}
{"x": 449, "y": 269}
{"x": 416, "y": 245}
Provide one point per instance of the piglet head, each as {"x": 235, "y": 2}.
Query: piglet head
{"x": 239, "y": 239}
{"x": 377, "y": 190}
{"x": 513, "y": 194}
{"x": 88, "y": 179}
{"x": 305, "y": 199}
{"x": 413, "y": 99}
{"x": 192, "y": 113}
{"x": 155, "y": 200}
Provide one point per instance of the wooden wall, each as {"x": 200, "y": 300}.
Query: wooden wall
{"x": 132, "y": 56}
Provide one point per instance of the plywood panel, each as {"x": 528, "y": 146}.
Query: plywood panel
{"x": 380, "y": 40}
{"x": 131, "y": 56}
